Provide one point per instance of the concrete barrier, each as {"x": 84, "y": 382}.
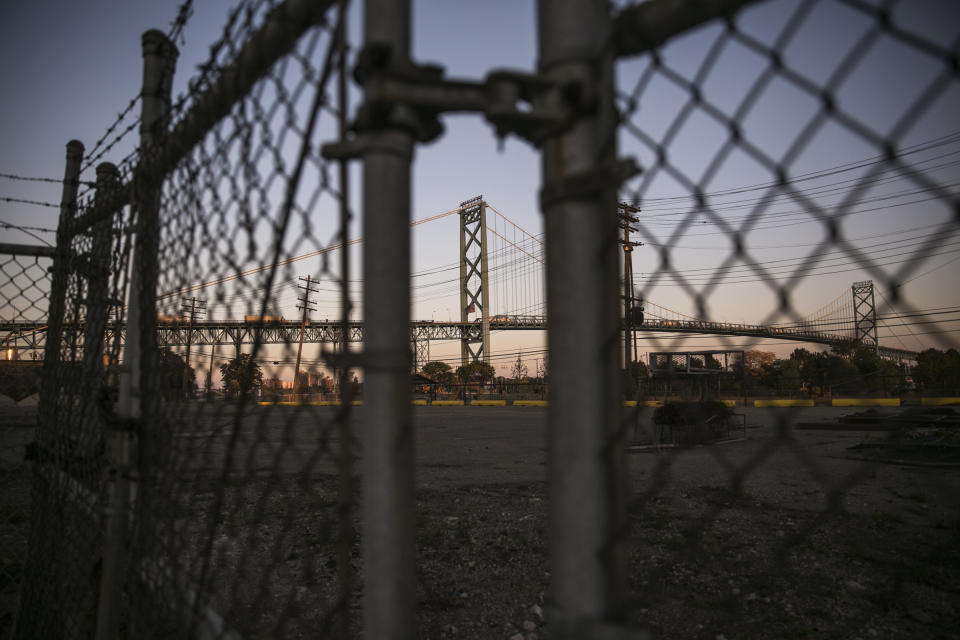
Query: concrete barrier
{"x": 447, "y": 403}
{"x": 783, "y": 402}
{"x": 938, "y": 402}
{"x": 489, "y": 403}
{"x": 865, "y": 402}
{"x": 529, "y": 403}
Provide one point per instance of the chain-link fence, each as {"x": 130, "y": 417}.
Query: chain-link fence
{"x": 786, "y": 535}
{"x": 163, "y": 506}
{"x": 25, "y": 278}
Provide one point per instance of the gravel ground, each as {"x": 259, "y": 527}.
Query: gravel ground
{"x": 780, "y": 535}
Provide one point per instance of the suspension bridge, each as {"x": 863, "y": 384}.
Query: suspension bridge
{"x": 500, "y": 289}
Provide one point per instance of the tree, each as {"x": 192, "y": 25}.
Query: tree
{"x": 439, "y": 372}
{"x": 759, "y": 368}
{"x": 938, "y": 371}
{"x": 758, "y": 362}
{"x": 788, "y": 376}
{"x": 476, "y": 371}
{"x": 519, "y": 370}
{"x": 241, "y": 375}
{"x": 174, "y": 378}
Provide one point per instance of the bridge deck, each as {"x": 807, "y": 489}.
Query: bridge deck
{"x": 237, "y": 332}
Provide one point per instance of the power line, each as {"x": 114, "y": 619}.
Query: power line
{"x": 820, "y": 173}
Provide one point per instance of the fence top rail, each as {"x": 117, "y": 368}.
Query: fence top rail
{"x": 279, "y": 33}
{"x": 39, "y": 251}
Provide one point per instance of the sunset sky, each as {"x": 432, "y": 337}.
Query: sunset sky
{"x": 68, "y": 70}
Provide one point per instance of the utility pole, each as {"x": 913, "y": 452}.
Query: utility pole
{"x": 625, "y": 214}
{"x": 213, "y": 348}
{"x": 191, "y": 308}
{"x": 307, "y": 306}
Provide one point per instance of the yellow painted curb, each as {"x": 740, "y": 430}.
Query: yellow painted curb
{"x": 938, "y": 402}
{"x": 782, "y": 403}
{"x": 865, "y": 402}
{"x": 629, "y": 403}
{"x": 419, "y": 403}
{"x": 529, "y": 403}
{"x": 729, "y": 403}
{"x": 447, "y": 403}
{"x": 489, "y": 403}
{"x": 294, "y": 403}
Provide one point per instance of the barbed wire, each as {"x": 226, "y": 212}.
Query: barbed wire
{"x": 33, "y": 202}
{"x": 93, "y": 154}
{"x": 10, "y": 176}
{"x": 184, "y": 13}
{"x": 4, "y": 223}
{"x": 28, "y": 230}
{"x": 92, "y": 159}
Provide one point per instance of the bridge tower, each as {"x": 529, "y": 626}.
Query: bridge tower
{"x": 865, "y": 315}
{"x": 474, "y": 285}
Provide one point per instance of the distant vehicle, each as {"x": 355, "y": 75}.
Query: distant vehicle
{"x": 264, "y": 319}
{"x": 164, "y": 319}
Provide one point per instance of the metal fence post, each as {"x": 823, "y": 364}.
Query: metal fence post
{"x": 58, "y": 291}
{"x": 115, "y": 521}
{"x": 578, "y": 200}
{"x": 159, "y": 56}
{"x": 387, "y": 434}
{"x": 45, "y": 574}
{"x": 97, "y": 304}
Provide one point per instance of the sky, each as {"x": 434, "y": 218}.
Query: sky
{"x": 68, "y": 70}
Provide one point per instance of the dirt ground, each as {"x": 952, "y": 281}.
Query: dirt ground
{"x": 779, "y": 535}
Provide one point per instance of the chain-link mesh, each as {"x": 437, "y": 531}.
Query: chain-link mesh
{"x": 24, "y": 283}
{"x": 240, "y": 508}
{"x": 789, "y": 146}
{"x": 181, "y": 491}
{"x": 87, "y": 278}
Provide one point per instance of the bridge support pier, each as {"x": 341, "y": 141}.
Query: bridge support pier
{"x": 865, "y": 315}
{"x": 474, "y": 289}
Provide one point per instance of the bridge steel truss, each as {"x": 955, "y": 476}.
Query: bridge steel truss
{"x": 474, "y": 284}
{"x": 28, "y": 335}
{"x": 865, "y": 315}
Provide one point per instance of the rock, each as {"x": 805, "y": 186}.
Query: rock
{"x": 537, "y": 611}
{"x": 920, "y": 615}
{"x": 529, "y": 625}
{"x": 7, "y": 401}
{"x": 29, "y": 401}
{"x": 855, "y": 586}
{"x": 517, "y": 636}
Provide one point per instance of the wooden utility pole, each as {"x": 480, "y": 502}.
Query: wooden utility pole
{"x": 624, "y": 212}
{"x": 191, "y": 307}
{"x": 306, "y": 307}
